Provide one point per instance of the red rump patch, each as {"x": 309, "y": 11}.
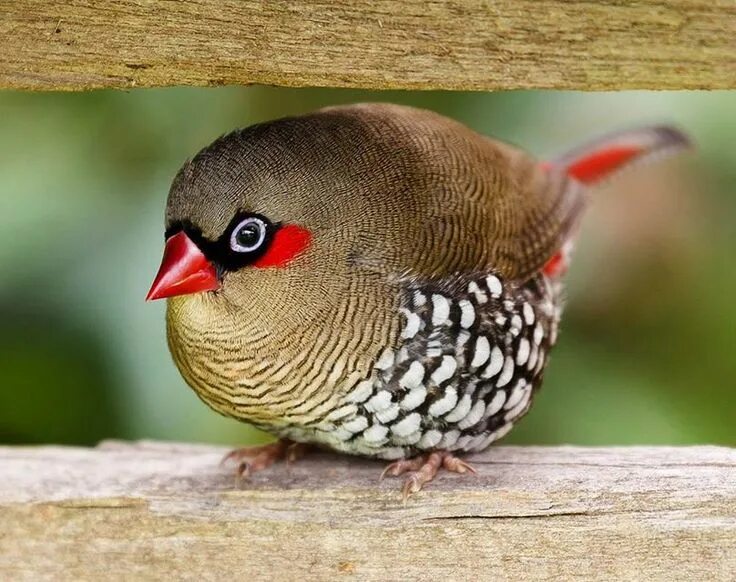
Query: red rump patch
{"x": 599, "y": 164}
{"x": 289, "y": 241}
{"x": 555, "y": 267}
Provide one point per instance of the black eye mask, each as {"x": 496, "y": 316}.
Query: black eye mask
{"x": 224, "y": 252}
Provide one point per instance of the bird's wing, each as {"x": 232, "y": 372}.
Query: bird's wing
{"x": 453, "y": 201}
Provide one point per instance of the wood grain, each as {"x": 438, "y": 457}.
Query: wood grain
{"x": 164, "y": 511}
{"x": 378, "y": 44}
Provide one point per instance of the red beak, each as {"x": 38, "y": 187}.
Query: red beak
{"x": 184, "y": 269}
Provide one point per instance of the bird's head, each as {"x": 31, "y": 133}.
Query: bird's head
{"x": 282, "y": 213}
{"x": 230, "y": 212}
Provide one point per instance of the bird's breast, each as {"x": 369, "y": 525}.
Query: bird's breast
{"x": 279, "y": 375}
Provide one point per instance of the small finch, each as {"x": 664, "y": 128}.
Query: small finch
{"x": 376, "y": 280}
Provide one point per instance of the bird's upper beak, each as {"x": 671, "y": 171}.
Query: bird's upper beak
{"x": 184, "y": 269}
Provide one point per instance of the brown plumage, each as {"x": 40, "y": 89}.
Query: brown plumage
{"x": 402, "y": 255}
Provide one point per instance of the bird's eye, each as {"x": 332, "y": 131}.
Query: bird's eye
{"x": 248, "y": 235}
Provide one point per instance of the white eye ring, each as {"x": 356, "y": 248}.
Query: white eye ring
{"x": 239, "y": 246}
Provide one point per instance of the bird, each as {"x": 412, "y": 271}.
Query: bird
{"x": 375, "y": 279}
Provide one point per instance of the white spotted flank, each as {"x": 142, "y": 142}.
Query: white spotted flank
{"x": 516, "y": 324}
{"x": 445, "y": 371}
{"x": 482, "y": 352}
{"x": 444, "y": 404}
{"x": 407, "y": 425}
{"x": 538, "y": 334}
{"x": 413, "y": 377}
{"x": 402, "y": 355}
{"x": 475, "y": 414}
{"x": 507, "y": 373}
{"x": 387, "y": 415}
{"x": 516, "y": 395}
{"x": 467, "y": 313}
{"x": 361, "y": 392}
{"x": 430, "y": 439}
{"x": 462, "y": 408}
{"x": 441, "y": 310}
{"x": 376, "y": 434}
{"x": 462, "y": 338}
{"x": 380, "y": 401}
{"x": 480, "y": 296}
{"x": 522, "y": 352}
{"x": 341, "y": 434}
{"x": 496, "y": 364}
{"x": 494, "y": 285}
{"x": 357, "y": 424}
{"x": 496, "y": 403}
{"x": 449, "y": 439}
{"x": 528, "y": 314}
{"x": 533, "y": 357}
{"x": 414, "y": 398}
{"x": 419, "y": 298}
{"x": 517, "y": 410}
{"x": 386, "y": 360}
{"x": 412, "y": 324}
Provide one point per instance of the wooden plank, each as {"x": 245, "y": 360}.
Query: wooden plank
{"x": 378, "y": 44}
{"x": 154, "y": 511}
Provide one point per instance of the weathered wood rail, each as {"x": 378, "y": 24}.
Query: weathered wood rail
{"x": 379, "y": 44}
{"x": 155, "y": 511}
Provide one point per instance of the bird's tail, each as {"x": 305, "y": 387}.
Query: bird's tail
{"x": 604, "y": 158}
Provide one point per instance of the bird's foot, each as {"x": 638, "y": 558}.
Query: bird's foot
{"x": 252, "y": 459}
{"x": 424, "y": 468}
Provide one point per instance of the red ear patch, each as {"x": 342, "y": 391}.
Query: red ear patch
{"x": 289, "y": 241}
{"x": 601, "y": 163}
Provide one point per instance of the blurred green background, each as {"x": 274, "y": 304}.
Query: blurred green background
{"x": 647, "y": 353}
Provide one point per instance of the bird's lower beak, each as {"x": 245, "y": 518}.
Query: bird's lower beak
{"x": 184, "y": 269}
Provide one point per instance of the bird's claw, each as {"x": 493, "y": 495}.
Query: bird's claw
{"x": 243, "y": 471}
{"x": 295, "y": 451}
{"x": 257, "y": 458}
{"x": 401, "y": 466}
{"x": 424, "y": 469}
{"x": 455, "y": 465}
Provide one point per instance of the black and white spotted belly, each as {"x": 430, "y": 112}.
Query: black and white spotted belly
{"x": 471, "y": 355}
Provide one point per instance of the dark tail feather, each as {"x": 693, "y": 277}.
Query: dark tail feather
{"x": 604, "y": 158}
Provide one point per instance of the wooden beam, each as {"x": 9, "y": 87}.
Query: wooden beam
{"x": 153, "y": 511}
{"x": 377, "y": 44}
